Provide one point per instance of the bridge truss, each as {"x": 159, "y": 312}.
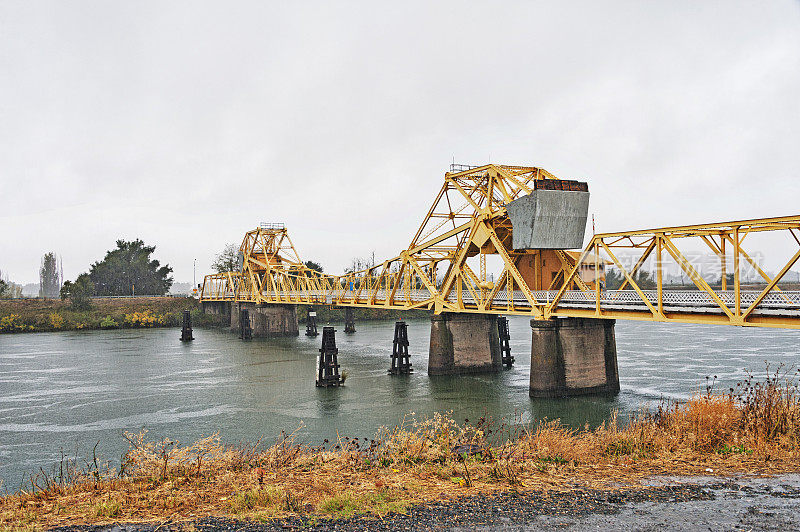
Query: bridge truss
{"x": 461, "y": 260}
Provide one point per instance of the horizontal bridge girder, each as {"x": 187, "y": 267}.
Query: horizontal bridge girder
{"x": 447, "y": 267}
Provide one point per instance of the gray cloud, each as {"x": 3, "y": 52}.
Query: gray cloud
{"x": 187, "y": 123}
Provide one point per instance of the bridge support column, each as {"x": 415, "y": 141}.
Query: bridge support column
{"x": 463, "y": 343}
{"x": 349, "y": 320}
{"x": 573, "y": 356}
{"x": 267, "y": 320}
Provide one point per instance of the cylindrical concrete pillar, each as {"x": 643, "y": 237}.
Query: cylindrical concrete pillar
{"x": 573, "y": 356}
{"x": 463, "y": 343}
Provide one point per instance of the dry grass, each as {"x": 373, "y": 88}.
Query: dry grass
{"x": 753, "y": 429}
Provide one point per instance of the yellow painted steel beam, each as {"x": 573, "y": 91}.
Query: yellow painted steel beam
{"x": 454, "y": 233}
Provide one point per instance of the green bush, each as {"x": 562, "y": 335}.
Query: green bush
{"x": 108, "y": 323}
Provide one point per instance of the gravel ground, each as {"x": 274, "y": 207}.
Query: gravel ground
{"x": 668, "y": 503}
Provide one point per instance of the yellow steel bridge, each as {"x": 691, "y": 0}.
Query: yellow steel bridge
{"x": 462, "y": 259}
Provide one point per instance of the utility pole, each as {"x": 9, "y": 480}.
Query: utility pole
{"x": 194, "y": 275}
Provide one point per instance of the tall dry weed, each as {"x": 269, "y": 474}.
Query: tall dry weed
{"x": 770, "y": 409}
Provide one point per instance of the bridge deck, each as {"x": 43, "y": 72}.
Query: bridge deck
{"x": 447, "y": 269}
{"x": 778, "y": 307}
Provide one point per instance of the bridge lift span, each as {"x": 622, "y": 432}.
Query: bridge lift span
{"x": 504, "y": 239}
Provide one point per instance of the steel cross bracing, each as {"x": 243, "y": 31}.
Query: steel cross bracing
{"x": 445, "y": 267}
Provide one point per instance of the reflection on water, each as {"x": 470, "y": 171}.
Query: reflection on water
{"x": 67, "y": 391}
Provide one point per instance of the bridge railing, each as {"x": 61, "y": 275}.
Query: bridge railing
{"x": 732, "y": 245}
{"x": 220, "y": 286}
{"x": 400, "y": 283}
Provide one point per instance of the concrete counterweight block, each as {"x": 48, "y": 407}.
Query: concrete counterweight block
{"x": 573, "y": 356}
{"x": 549, "y": 219}
{"x": 267, "y": 320}
{"x": 463, "y": 343}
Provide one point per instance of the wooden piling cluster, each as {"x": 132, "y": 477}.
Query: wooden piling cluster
{"x": 328, "y": 367}
{"x": 401, "y": 361}
{"x": 311, "y": 323}
{"x": 505, "y": 338}
{"x": 186, "y": 327}
{"x": 245, "y": 330}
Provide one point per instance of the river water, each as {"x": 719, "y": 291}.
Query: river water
{"x": 65, "y": 392}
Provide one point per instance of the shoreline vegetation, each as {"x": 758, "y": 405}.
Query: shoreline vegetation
{"x": 752, "y": 429}
{"x": 49, "y": 315}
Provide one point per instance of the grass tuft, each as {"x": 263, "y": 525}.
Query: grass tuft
{"x": 348, "y": 504}
{"x": 107, "y": 509}
{"x": 270, "y": 498}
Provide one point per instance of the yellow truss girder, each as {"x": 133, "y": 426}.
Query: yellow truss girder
{"x": 468, "y": 221}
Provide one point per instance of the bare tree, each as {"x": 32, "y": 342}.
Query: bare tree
{"x": 51, "y": 276}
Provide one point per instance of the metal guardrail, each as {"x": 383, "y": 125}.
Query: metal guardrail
{"x": 144, "y": 296}
{"x": 780, "y": 303}
{"x": 445, "y": 268}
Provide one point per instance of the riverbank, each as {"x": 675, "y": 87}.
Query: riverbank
{"x": 755, "y": 430}
{"x": 682, "y": 503}
{"x": 46, "y": 315}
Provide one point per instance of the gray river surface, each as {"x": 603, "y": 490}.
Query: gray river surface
{"x": 65, "y": 392}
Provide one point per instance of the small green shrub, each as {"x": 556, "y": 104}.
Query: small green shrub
{"x": 108, "y": 323}
{"x": 736, "y": 449}
{"x": 347, "y": 504}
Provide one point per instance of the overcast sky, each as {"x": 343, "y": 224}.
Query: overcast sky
{"x": 188, "y": 123}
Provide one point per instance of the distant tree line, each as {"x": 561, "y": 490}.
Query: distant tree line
{"x": 646, "y": 281}
{"x": 643, "y": 279}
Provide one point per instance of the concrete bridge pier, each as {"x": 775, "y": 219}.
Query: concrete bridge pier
{"x": 464, "y": 343}
{"x": 573, "y": 356}
{"x": 267, "y": 320}
{"x": 219, "y": 308}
